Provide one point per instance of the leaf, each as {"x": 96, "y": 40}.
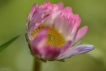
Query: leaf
{"x": 3, "y": 46}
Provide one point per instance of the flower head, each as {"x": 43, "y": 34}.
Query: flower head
{"x": 51, "y": 31}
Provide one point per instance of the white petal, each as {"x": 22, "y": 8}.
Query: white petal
{"x": 61, "y": 24}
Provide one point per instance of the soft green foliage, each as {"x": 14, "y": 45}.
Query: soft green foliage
{"x": 17, "y": 56}
{"x": 5, "y": 45}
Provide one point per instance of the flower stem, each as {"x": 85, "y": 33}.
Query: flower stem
{"x": 36, "y": 65}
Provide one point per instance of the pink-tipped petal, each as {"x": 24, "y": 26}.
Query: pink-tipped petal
{"x": 30, "y": 15}
{"x": 81, "y": 32}
{"x": 77, "y": 50}
{"x": 33, "y": 10}
{"x": 60, "y": 5}
{"x": 76, "y": 22}
{"x": 67, "y": 12}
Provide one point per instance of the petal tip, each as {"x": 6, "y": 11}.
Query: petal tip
{"x": 90, "y": 47}
{"x": 86, "y": 28}
{"x": 85, "y": 48}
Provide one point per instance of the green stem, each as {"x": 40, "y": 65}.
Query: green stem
{"x": 36, "y": 65}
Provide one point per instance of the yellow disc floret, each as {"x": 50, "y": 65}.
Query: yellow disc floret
{"x": 54, "y": 37}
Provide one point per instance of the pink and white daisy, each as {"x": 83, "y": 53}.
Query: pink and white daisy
{"x": 51, "y": 31}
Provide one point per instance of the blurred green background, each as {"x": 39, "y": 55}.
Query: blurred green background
{"x": 17, "y": 56}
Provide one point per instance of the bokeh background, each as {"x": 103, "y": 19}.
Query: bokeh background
{"x": 17, "y": 56}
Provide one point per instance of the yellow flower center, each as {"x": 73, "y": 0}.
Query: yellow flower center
{"x": 54, "y": 37}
